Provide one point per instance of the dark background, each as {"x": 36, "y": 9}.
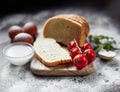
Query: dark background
{"x": 110, "y": 7}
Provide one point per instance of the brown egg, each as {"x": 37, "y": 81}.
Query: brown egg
{"x": 13, "y": 31}
{"x": 30, "y": 28}
{"x": 23, "y": 37}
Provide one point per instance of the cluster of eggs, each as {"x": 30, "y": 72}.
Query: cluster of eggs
{"x": 27, "y": 33}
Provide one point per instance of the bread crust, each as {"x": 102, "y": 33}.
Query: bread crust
{"x": 51, "y": 64}
{"x": 79, "y": 19}
{"x": 76, "y": 20}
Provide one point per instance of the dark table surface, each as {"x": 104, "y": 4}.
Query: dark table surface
{"x": 106, "y": 77}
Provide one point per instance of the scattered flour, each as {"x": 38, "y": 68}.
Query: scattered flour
{"x": 19, "y": 86}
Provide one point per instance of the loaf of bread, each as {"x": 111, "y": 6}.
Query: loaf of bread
{"x": 50, "y": 53}
{"x": 65, "y": 28}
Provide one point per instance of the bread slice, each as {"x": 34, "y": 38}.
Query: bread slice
{"x": 65, "y": 28}
{"x": 50, "y": 53}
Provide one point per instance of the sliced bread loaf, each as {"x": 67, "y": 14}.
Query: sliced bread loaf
{"x": 65, "y": 28}
{"x": 50, "y": 53}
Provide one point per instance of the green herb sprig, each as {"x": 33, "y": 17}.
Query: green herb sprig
{"x": 102, "y": 42}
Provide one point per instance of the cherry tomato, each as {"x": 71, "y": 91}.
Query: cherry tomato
{"x": 90, "y": 53}
{"x": 74, "y": 52}
{"x": 80, "y": 61}
{"x": 71, "y": 45}
{"x": 87, "y": 46}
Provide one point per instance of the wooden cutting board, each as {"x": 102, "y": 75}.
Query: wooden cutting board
{"x": 62, "y": 70}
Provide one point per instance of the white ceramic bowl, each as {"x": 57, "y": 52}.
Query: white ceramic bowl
{"x": 18, "y": 53}
{"x": 106, "y": 55}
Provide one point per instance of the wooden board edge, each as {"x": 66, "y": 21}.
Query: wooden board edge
{"x": 62, "y": 72}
